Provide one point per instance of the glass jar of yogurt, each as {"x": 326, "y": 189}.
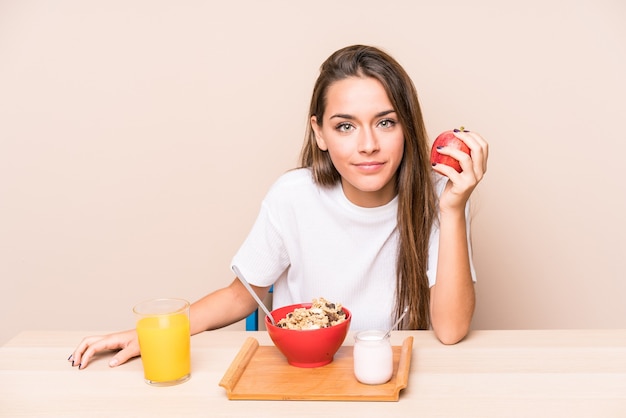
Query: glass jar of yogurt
{"x": 373, "y": 357}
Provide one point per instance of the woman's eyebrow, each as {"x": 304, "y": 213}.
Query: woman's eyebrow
{"x": 347, "y": 116}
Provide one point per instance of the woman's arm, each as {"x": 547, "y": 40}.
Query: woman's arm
{"x": 215, "y": 310}
{"x": 224, "y": 307}
{"x": 452, "y": 298}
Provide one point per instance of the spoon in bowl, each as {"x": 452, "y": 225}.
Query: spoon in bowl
{"x": 254, "y": 295}
{"x": 406, "y": 309}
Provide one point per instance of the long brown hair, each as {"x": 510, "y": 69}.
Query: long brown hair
{"x": 416, "y": 195}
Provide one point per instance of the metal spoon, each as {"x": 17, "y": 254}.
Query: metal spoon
{"x": 406, "y": 309}
{"x": 254, "y": 295}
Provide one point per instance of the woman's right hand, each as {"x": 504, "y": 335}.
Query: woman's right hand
{"x": 126, "y": 341}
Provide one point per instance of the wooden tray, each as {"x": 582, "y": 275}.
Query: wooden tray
{"x": 262, "y": 373}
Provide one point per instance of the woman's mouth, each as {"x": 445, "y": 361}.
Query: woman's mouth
{"x": 370, "y": 166}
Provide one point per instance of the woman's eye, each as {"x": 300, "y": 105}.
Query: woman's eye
{"x": 344, "y": 127}
{"x": 387, "y": 123}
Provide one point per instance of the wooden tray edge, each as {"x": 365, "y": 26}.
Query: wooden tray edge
{"x": 238, "y": 365}
{"x": 402, "y": 377}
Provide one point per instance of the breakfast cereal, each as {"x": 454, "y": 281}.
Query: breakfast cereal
{"x": 321, "y": 314}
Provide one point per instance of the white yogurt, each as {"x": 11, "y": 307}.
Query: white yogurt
{"x": 373, "y": 357}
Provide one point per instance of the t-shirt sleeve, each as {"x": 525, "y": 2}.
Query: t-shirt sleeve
{"x": 262, "y": 257}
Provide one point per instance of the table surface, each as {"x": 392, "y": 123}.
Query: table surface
{"x": 568, "y": 373}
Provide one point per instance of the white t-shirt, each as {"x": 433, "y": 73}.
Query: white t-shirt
{"x": 311, "y": 241}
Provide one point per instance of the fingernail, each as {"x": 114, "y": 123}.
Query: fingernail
{"x": 80, "y": 365}
{"x": 439, "y": 146}
{"x": 434, "y": 164}
{"x": 72, "y": 363}
{"x": 70, "y": 357}
{"x": 456, "y": 130}
{"x": 114, "y": 362}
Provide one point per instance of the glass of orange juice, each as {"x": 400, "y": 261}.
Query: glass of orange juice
{"x": 164, "y": 340}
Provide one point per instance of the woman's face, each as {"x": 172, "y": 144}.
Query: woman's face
{"x": 362, "y": 134}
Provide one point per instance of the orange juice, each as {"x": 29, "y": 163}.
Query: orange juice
{"x": 165, "y": 347}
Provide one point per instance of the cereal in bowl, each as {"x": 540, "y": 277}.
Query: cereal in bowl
{"x": 321, "y": 314}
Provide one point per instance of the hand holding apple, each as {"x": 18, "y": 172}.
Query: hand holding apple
{"x": 448, "y": 139}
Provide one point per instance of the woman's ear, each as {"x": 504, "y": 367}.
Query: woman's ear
{"x": 317, "y": 130}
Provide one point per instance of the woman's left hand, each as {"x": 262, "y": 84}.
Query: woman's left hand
{"x": 474, "y": 166}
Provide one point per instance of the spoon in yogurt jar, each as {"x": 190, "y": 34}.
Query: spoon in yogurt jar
{"x": 406, "y": 309}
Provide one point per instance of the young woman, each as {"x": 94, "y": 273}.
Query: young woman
{"x": 366, "y": 220}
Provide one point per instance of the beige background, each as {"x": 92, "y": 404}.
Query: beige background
{"x": 138, "y": 138}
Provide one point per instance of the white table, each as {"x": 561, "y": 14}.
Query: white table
{"x": 548, "y": 373}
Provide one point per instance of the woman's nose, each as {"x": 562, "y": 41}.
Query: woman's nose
{"x": 368, "y": 142}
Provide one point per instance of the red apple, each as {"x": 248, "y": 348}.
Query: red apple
{"x": 447, "y": 139}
